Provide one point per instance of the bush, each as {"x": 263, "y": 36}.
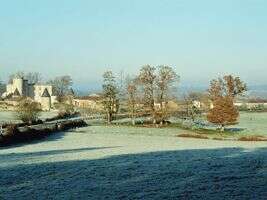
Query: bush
{"x": 190, "y": 135}
{"x": 28, "y": 111}
{"x": 22, "y": 124}
{"x": 62, "y": 116}
{"x": 71, "y": 124}
{"x": 14, "y": 135}
{"x": 12, "y": 129}
{"x": 64, "y": 109}
{"x": 252, "y": 138}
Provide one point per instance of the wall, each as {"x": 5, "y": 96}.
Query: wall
{"x": 46, "y": 103}
{"x": 39, "y": 89}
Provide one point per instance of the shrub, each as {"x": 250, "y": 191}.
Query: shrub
{"x": 71, "y": 124}
{"x": 28, "y": 111}
{"x": 14, "y": 135}
{"x": 62, "y": 116}
{"x": 12, "y": 129}
{"x": 252, "y": 138}
{"x": 190, "y": 135}
{"x": 64, "y": 109}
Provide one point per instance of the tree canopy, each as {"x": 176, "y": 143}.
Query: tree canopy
{"x": 110, "y": 95}
{"x": 223, "y": 92}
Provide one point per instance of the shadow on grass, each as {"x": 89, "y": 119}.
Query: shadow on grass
{"x": 52, "y": 137}
{"x": 229, "y": 173}
{"x": 235, "y": 129}
{"x": 18, "y": 156}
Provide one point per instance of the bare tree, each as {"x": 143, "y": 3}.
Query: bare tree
{"x": 234, "y": 86}
{"x": 61, "y": 85}
{"x": 110, "y": 95}
{"x": 147, "y": 79}
{"x": 132, "y": 98}
{"x": 165, "y": 81}
{"x": 227, "y": 86}
{"x": 192, "y": 109}
{"x": 157, "y": 84}
{"x": 19, "y": 74}
{"x": 32, "y": 77}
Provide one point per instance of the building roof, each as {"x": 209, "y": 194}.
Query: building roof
{"x": 16, "y": 92}
{"x": 46, "y": 93}
{"x": 54, "y": 92}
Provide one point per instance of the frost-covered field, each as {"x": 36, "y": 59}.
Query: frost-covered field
{"x": 122, "y": 163}
{"x": 253, "y": 123}
{"x": 9, "y": 116}
{"x": 250, "y": 123}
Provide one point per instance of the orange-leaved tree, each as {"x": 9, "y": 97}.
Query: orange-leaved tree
{"x": 223, "y": 92}
{"x": 223, "y": 112}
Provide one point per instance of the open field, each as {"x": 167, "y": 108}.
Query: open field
{"x": 120, "y": 162}
{"x": 112, "y": 163}
{"x": 8, "y": 116}
{"x": 253, "y": 123}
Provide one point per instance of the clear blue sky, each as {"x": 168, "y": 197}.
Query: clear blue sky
{"x": 200, "y": 38}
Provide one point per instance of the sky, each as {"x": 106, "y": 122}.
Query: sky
{"x": 200, "y": 39}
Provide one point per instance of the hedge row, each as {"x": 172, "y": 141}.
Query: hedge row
{"x": 15, "y": 134}
{"x": 39, "y": 121}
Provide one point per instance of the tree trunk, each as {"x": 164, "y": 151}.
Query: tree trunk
{"x": 154, "y": 118}
{"x": 133, "y": 115}
{"x": 222, "y": 128}
{"x": 133, "y": 121}
{"x": 109, "y": 118}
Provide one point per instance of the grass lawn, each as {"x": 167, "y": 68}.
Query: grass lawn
{"x": 9, "y": 116}
{"x": 253, "y": 123}
{"x": 116, "y": 162}
{"x": 250, "y": 124}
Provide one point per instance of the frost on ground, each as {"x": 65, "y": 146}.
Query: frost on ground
{"x": 107, "y": 163}
{"x": 10, "y": 117}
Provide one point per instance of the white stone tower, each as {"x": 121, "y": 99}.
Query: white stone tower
{"x": 18, "y": 84}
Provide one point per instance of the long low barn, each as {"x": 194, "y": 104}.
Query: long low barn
{"x": 92, "y": 101}
{"x": 252, "y": 103}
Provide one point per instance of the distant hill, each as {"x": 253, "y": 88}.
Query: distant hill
{"x": 254, "y": 91}
{"x": 258, "y": 91}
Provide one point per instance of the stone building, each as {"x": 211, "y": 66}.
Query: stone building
{"x": 42, "y": 93}
{"x": 45, "y": 100}
{"x": 91, "y": 102}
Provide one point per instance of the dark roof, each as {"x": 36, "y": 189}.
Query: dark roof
{"x": 16, "y": 92}
{"x": 54, "y": 92}
{"x": 45, "y": 93}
